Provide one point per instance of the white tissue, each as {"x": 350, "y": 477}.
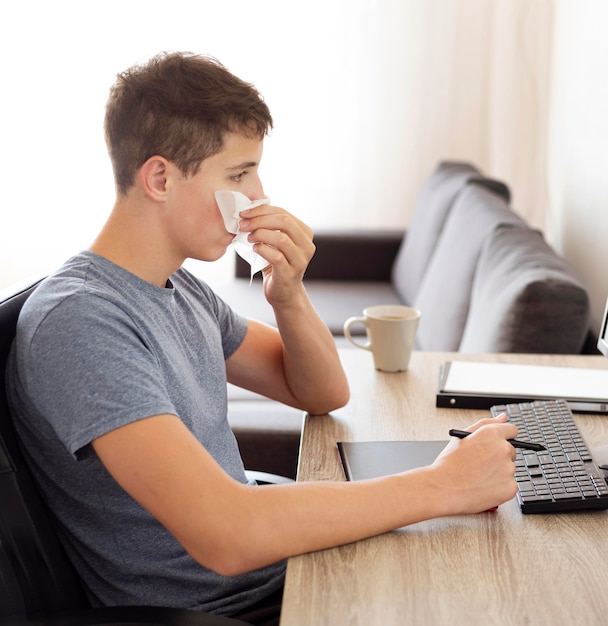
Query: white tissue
{"x": 231, "y": 203}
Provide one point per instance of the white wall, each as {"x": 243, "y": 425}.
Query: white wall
{"x": 367, "y": 96}
{"x": 578, "y": 186}
{"x": 57, "y": 60}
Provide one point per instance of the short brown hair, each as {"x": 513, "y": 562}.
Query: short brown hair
{"x": 180, "y": 106}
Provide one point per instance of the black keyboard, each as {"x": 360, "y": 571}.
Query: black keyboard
{"x": 563, "y": 477}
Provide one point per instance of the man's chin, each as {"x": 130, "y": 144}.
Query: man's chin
{"x": 211, "y": 256}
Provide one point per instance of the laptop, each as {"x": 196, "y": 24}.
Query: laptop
{"x": 478, "y": 385}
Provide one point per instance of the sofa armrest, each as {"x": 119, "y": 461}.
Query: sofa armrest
{"x": 357, "y": 255}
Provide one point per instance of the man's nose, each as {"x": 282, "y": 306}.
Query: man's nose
{"x": 256, "y": 191}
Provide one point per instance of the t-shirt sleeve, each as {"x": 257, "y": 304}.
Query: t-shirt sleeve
{"x": 92, "y": 371}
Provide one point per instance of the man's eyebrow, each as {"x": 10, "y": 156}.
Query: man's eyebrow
{"x": 242, "y": 166}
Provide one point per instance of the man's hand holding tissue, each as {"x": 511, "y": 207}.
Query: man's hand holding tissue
{"x": 286, "y": 243}
{"x": 302, "y": 356}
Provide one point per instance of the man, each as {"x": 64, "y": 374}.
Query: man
{"x": 118, "y": 374}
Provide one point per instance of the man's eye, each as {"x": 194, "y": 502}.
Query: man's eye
{"x": 238, "y": 177}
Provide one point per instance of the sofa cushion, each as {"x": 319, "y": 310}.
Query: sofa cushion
{"x": 246, "y": 299}
{"x": 334, "y": 301}
{"x": 268, "y": 434}
{"x": 525, "y": 298}
{"x": 445, "y": 291}
{"x": 432, "y": 207}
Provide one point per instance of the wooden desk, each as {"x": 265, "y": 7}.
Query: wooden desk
{"x": 492, "y": 568}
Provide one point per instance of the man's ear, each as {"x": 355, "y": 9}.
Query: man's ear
{"x": 153, "y": 177}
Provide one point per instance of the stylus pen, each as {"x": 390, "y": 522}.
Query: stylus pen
{"x": 526, "y": 445}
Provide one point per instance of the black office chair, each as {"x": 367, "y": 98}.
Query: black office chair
{"x": 38, "y": 585}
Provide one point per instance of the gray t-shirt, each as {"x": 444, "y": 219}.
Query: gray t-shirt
{"x": 98, "y": 348}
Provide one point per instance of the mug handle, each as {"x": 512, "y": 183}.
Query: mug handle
{"x": 350, "y": 322}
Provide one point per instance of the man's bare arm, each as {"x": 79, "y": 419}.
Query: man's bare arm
{"x": 231, "y": 528}
{"x": 307, "y": 376}
{"x": 299, "y": 364}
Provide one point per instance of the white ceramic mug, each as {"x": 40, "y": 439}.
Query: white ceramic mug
{"x": 391, "y": 331}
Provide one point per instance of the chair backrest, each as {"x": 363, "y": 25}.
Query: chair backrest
{"x": 35, "y": 573}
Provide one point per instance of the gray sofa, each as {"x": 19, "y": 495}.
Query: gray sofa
{"x": 483, "y": 280}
